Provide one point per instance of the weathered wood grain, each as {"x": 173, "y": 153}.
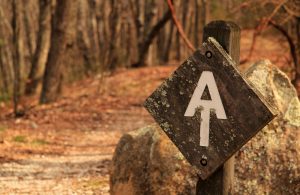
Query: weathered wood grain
{"x": 228, "y": 35}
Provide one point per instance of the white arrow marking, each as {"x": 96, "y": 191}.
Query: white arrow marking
{"x": 206, "y": 79}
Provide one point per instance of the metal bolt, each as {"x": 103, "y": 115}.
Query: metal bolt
{"x": 208, "y": 54}
{"x": 203, "y": 162}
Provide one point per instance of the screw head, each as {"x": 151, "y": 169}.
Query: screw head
{"x": 203, "y": 162}
{"x": 208, "y": 54}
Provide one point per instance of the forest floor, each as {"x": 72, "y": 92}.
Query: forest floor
{"x": 66, "y": 147}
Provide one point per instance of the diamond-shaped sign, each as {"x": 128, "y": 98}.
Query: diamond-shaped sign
{"x": 208, "y": 109}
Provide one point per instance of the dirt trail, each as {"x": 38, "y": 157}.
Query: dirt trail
{"x": 65, "y": 174}
{"x": 81, "y": 168}
{"x": 66, "y": 147}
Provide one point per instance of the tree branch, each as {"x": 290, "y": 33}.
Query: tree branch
{"x": 291, "y": 45}
{"x": 259, "y": 29}
{"x": 149, "y": 38}
{"x": 179, "y": 27}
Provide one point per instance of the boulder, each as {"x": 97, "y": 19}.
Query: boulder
{"x": 147, "y": 162}
{"x": 270, "y": 162}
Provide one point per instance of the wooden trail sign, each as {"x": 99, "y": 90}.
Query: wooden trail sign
{"x": 208, "y": 109}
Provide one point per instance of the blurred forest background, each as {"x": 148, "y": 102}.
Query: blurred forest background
{"x": 75, "y": 73}
{"x": 45, "y": 43}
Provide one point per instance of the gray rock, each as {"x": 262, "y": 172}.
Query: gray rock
{"x": 147, "y": 162}
{"x": 270, "y": 162}
{"x": 276, "y": 87}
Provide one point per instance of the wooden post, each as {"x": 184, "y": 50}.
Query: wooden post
{"x": 228, "y": 35}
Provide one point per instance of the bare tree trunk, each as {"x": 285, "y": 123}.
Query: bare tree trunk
{"x": 179, "y": 27}
{"x": 84, "y": 42}
{"x": 190, "y": 29}
{"x": 162, "y": 35}
{"x": 61, "y": 38}
{"x": 93, "y": 33}
{"x": 178, "y": 46}
{"x": 128, "y": 43}
{"x": 88, "y": 35}
{"x": 196, "y": 29}
{"x": 114, "y": 17}
{"x": 205, "y": 12}
{"x": 42, "y": 48}
{"x": 29, "y": 27}
{"x": 143, "y": 50}
{"x": 6, "y": 59}
{"x": 18, "y": 54}
{"x": 102, "y": 33}
{"x": 134, "y": 6}
{"x": 149, "y": 13}
{"x": 150, "y": 10}
{"x": 185, "y": 11}
{"x": 5, "y": 80}
{"x": 166, "y": 53}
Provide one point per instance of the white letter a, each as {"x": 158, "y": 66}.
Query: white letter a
{"x": 206, "y": 79}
